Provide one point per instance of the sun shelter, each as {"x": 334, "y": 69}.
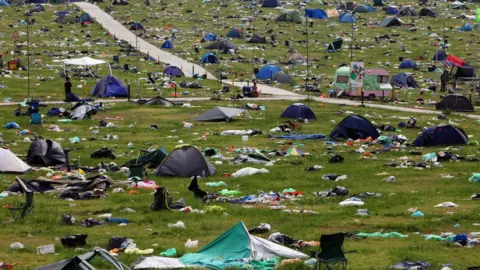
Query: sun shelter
{"x": 408, "y": 64}
{"x": 167, "y": 45}
{"x": 221, "y": 45}
{"x": 441, "y": 135}
{"x": 392, "y": 10}
{"x": 185, "y": 161}
{"x": 347, "y": 18}
{"x": 235, "y": 32}
{"x": 282, "y": 78}
{"x": 440, "y": 55}
{"x": 378, "y": 3}
{"x": 427, "y": 12}
{"x": 407, "y": 11}
{"x": 257, "y": 39}
{"x": 298, "y": 111}
{"x": 210, "y": 37}
{"x": 270, "y": 3}
{"x": 354, "y": 127}
{"x": 360, "y": 9}
{"x": 11, "y": 163}
{"x": 85, "y": 18}
{"x": 209, "y": 58}
{"x": 296, "y": 58}
{"x": 458, "y": 5}
{"x": 82, "y": 262}
{"x": 453, "y": 61}
{"x": 267, "y": 72}
{"x": 45, "y": 153}
{"x": 316, "y": 13}
{"x": 173, "y": 71}
{"x": 391, "y": 21}
{"x": 4, "y": 3}
{"x": 137, "y": 27}
{"x": 109, "y": 86}
{"x": 159, "y": 101}
{"x": 235, "y": 248}
{"x": 219, "y": 114}
{"x": 290, "y": 15}
{"x": 335, "y": 46}
{"x": 404, "y": 80}
{"x": 85, "y": 62}
{"x": 467, "y": 27}
{"x": 455, "y": 102}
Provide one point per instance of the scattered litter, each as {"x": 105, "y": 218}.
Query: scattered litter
{"x": 191, "y": 243}
{"x": 47, "y": 249}
{"x": 171, "y": 252}
{"x": 249, "y": 171}
{"x": 179, "y": 224}
{"x": 446, "y": 204}
{"x": 17, "y": 245}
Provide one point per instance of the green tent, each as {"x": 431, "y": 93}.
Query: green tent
{"x": 152, "y": 158}
{"x": 290, "y": 15}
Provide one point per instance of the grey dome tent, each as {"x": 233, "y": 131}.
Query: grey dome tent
{"x": 296, "y": 58}
{"x": 221, "y": 45}
{"x": 458, "y": 5}
{"x": 427, "y": 12}
{"x": 360, "y": 9}
{"x": 45, "y": 153}
{"x": 37, "y": 8}
{"x": 407, "y": 11}
{"x": 219, "y": 114}
{"x": 11, "y": 163}
{"x": 83, "y": 110}
{"x": 290, "y": 15}
{"x": 391, "y": 21}
{"x": 455, "y": 102}
{"x": 159, "y": 101}
{"x": 282, "y": 77}
{"x": 257, "y": 39}
{"x": 185, "y": 161}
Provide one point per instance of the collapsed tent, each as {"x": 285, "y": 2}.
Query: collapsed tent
{"x": 235, "y": 248}
{"x": 335, "y": 46}
{"x": 407, "y": 11}
{"x": 137, "y": 27}
{"x": 391, "y": 21}
{"x": 109, "y": 86}
{"x": 440, "y": 55}
{"x": 82, "y": 111}
{"x": 120, "y": 2}
{"x": 282, "y": 78}
{"x": 36, "y": 9}
{"x": 209, "y": 58}
{"x": 271, "y": 3}
{"x": 290, "y": 15}
{"x": 173, "y": 71}
{"x": 316, "y": 13}
{"x": 219, "y": 114}
{"x": 408, "y": 64}
{"x": 85, "y": 18}
{"x": 45, "y": 153}
{"x": 298, "y": 111}
{"x": 455, "y": 102}
{"x": 427, "y": 12}
{"x": 185, "y": 161}
{"x": 458, "y": 5}
{"x": 453, "y": 61}
{"x": 441, "y": 135}
{"x": 11, "y": 163}
{"x": 151, "y": 158}
{"x": 257, "y": 39}
{"x": 354, "y": 127}
{"x": 66, "y": 19}
{"x": 404, "y": 80}
{"x": 296, "y": 58}
{"x": 235, "y": 32}
{"x": 267, "y": 72}
{"x": 82, "y": 262}
{"x": 221, "y": 45}
{"x": 159, "y": 101}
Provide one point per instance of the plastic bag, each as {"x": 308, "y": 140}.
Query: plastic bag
{"x": 191, "y": 243}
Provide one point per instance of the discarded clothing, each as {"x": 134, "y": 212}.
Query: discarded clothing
{"x": 301, "y": 137}
{"x": 336, "y": 191}
{"x": 103, "y": 153}
{"x": 249, "y": 171}
{"x": 352, "y": 202}
{"x": 411, "y": 265}
{"x": 262, "y": 228}
{"x": 382, "y": 235}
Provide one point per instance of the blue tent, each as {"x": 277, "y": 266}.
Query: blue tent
{"x": 404, "y": 80}
{"x": 316, "y": 13}
{"x": 440, "y": 55}
{"x": 466, "y": 27}
{"x": 62, "y": 13}
{"x": 137, "y": 26}
{"x": 210, "y": 37}
{"x": 4, "y": 3}
{"x": 370, "y": 8}
{"x": 378, "y": 3}
{"x": 267, "y": 72}
{"x": 167, "y": 45}
{"x": 85, "y": 18}
{"x": 354, "y": 127}
{"x": 235, "y": 32}
{"x": 271, "y": 3}
{"x": 347, "y": 18}
{"x": 407, "y": 64}
{"x": 298, "y": 110}
{"x": 441, "y": 135}
{"x": 173, "y": 71}
{"x": 392, "y": 10}
{"x": 109, "y": 86}
{"x": 209, "y": 58}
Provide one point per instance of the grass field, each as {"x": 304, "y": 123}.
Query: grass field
{"x": 413, "y": 188}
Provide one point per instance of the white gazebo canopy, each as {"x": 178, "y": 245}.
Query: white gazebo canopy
{"x": 86, "y": 62}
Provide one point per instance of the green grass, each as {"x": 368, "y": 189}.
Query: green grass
{"x": 422, "y": 189}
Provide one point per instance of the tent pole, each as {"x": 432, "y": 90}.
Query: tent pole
{"x": 28, "y": 58}
{"x": 138, "y": 57}
{"x": 306, "y": 79}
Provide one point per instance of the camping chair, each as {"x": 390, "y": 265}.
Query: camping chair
{"x": 137, "y": 170}
{"x": 21, "y": 211}
{"x": 331, "y": 251}
{"x": 36, "y": 119}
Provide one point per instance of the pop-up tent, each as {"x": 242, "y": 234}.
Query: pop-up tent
{"x": 210, "y": 37}
{"x": 159, "y": 101}
{"x": 391, "y": 21}
{"x": 219, "y": 114}
{"x": 167, "y": 45}
{"x": 209, "y": 58}
{"x": 407, "y": 64}
{"x": 407, "y": 11}
{"x": 85, "y": 18}
{"x": 440, "y": 55}
{"x": 378, "y": 3}
{"x": 354, "y": 127}
{"x": 441, "y": 135}
{"x": 282, "y": 78}
{"x": 271, "y": 3}
{"x": 455, "y": 102}
{"x": 45, "y": 153}
{"x": 109, "y": 86}
{"x": 360, "y": 9}
{"x": 137, "y": 27}
{"x": 466, "y": 27}
{"x": 173, "y": 71}
{"x": 392, "y": 10}
{"x": 85, "y": 62}
{"x": 404, "y": 80}
{"x": 297, "y": 111}
{"x": 316, "y": 13}
{"x": 458, "y": 5}
{"x": 4, "y": 3}
{"x": 335, "y": 46}
{"x": 235, "y": 32}
{"x": 296, "y": 58}
{"x": 185, "y": 161}
{"x": 347, "y": 18}
{"x": 11, "y": 163}
{"x": 427, "y": 12}
{"x": 235, "y": 248}
{"x": 267, "y": 72}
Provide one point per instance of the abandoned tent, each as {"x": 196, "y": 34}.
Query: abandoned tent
{"x": 11, "y": 163}
{"x": 159, "y": 101}
{"x": 45, "y": 153}
{"x": 455, "y": 102}
{"x": 441, "y": 135}
{"x": 185, "y": 161}
{"x": 219, "y": 114}
{"x": 109, "y": 86}
{"x": 354, "y": 127}
{"x": 298, "y": 111}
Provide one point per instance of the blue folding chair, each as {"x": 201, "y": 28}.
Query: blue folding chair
{"x": 36, "y": 119}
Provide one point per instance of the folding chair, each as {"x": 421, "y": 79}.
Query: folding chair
{"x": 27, "y": 208}
{"x": 36, "y": 119}
{"x": 137, "y": 170}
{"x": 331, "y": 251}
